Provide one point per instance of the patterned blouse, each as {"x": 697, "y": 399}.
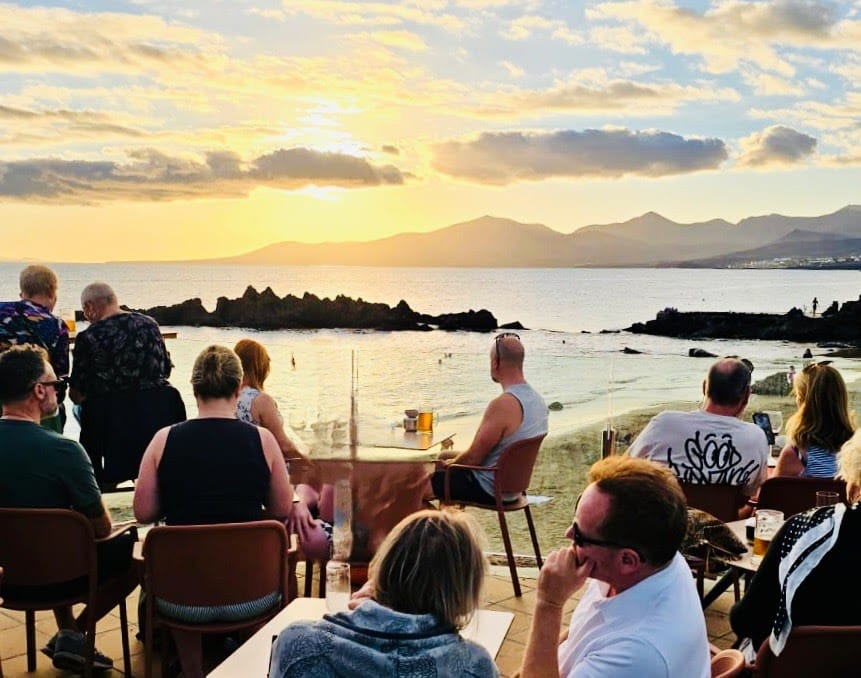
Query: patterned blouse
{"x": 26, "y": 322}
{"x": 122, "y": 352}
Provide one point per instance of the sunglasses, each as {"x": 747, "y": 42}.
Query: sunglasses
{"x": 581, "y": 540}
{"x": 59, "y": 384}
{"x": 498, "y": 340}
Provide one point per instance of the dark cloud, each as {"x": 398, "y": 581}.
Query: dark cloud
{"x": 777, "y": 145}
{"x": 153, "y": 175}
{"x": 507, "y": 157}
{"x": 391, "y": 150}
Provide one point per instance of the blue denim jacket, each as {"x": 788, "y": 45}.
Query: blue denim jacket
{"x": 375, "y": 641}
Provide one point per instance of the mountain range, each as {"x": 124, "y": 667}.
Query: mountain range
{"x": 647, "y": 240}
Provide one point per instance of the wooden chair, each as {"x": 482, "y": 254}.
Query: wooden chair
{"x": 794, "y": 495}
{"x": 722, "y": 501}
{"x": 822, "y": 651}
{"x": 213, "y": 566}
{"x": 49, "y": 548}
{"x": 511, "y": 475}
{"x": 727, "y": 663}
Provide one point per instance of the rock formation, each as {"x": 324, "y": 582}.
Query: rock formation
{"x": 267, "y": 311}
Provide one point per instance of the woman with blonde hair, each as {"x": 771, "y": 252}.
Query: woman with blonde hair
{"x": 209, "y": 470}
{"x": 819, "y": 427}
{"x": 255, "y": 406}
{"x": 424, "y": 585}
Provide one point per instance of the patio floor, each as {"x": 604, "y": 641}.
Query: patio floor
{"x": 498, "y": 593}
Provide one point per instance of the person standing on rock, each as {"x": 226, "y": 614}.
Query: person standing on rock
{"x": 815, "y": 305}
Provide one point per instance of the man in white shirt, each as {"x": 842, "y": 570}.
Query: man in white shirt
{"x": 711, "y": 445}
{"x": 640, "y": 614}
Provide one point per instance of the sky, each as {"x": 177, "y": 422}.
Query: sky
{"x": 156, "y": 129}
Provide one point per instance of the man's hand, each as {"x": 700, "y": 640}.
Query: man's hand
{"x": 447, "y": 454}
{"x": 562, "y": 576}
{"x": 301, "y": 522}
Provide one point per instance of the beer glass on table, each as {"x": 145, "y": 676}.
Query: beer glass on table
{"x": 768, "y": 522}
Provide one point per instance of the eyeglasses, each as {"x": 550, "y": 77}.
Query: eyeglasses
{"x": 498, "y": 340}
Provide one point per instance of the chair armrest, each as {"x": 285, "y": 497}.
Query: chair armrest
{"x": 121, "y": 528}
{"x": 293, "y": 544}
{"x": 472, "y": 467}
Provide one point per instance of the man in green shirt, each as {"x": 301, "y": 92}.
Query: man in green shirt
{"x": 41, "y": 469}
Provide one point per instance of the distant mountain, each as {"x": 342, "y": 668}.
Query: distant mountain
{"x": 647, "y": 240}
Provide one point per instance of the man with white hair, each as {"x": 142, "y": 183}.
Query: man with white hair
{"x": 119, "y": 378}
{"x": 30, "y": 320}
{"x": 119, "y": 351}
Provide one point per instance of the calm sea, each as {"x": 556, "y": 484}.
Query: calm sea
{"x": 568, "y": 359}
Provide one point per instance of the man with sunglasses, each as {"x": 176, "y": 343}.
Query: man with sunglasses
{"x": 42, "y": 469}
{"x": 711, "y": 445}
{"x": 31, "y": 320}
{"x": 640, "y": 614}
{"x": 517, "y": 414}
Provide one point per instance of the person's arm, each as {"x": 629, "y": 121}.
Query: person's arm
{"x": 279, "y": 502}
{"x": 560, "y": 577}
{"x": 502, "y": 416}
{"x": 102, "y": 523}
{"x": 265, "y": 410}
{"x": 147, "y": 506}
{"x": 788, "y": 463}
{"x": 753, "y": 616}
{"x": 80, "y": 365}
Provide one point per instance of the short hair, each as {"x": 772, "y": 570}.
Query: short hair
{"x": 99, "y": 293}
{"x": 431, "y": 563}
{"x": 255, "y": 361}
{"x": 217, "y": 373}
{"x": 21, "y": 367}
{"x": 647, "y": 511}
{"x": 36, "y": 280}
{"x": 728, "y": 381}
{"x": 849, "y": 459}
{"x": 508, "y": 349}
{"x": 823, "y": 417}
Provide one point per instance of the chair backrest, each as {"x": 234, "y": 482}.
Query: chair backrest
{"x": 822, "y": 651}
{"x": 722, "y": 501}
{"x": 39, "y": 547}
{"x": 213, "y": 565}
{"x": 515, "y": 465}
{"x": 794, "y": 495}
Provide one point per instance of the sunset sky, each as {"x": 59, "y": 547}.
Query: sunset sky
{"x": 157, "y": 129}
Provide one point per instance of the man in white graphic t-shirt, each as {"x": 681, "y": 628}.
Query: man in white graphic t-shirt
{"x": 711, "y": 445}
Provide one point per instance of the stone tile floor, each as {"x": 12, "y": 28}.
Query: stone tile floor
{"x": 498, "y": 592}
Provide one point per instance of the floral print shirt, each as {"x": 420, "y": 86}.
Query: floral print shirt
{"x": 122, "y": 352}
{"x": 26, "y": 322}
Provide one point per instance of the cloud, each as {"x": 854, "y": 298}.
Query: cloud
{"x": 776, "y": 145}
{"x": 150, "y": 175}
{"x": 508, "y": 157}
{"x": 523, "y": 27}
{"x": 766, "y": 84}
{"x": 391, "y": 150}
{"x": 732, "y": 31}
{"x": 363, "y": 13}
{"x": 513, "y": 70}
{"x": 592, "y": 92}
{"x": 399, "y": 39}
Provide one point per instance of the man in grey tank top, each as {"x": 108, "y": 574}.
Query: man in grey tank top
{"x": 519, "y": 412}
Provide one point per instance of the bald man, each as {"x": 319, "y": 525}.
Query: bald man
{"x": 519, "y": 412}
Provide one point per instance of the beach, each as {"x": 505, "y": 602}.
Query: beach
{"x": 562, "y": 469}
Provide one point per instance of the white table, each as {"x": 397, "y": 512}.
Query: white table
{"x": 487, "y": 628}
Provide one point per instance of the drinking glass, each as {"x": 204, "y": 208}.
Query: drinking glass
{"x": 768, "y": 522}
{"x": 824, "y": 498}
{"x": 67, "y": 315}
{"x": 337, "y": 586}
{"x": 425, "y": 421}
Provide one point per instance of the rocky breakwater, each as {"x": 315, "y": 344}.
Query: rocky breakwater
{"x": 267, "y": 311}
{"x": 840, "y": 323}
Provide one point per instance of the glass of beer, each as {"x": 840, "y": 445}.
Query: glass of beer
{"x": 424, "y": 424}
{"x": 824, "y": 498}
{"x": 337, "y": 586}
{"x": 768, "y": 522}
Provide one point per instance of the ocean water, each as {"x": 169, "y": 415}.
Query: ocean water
{"x": 568, "y": 359}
